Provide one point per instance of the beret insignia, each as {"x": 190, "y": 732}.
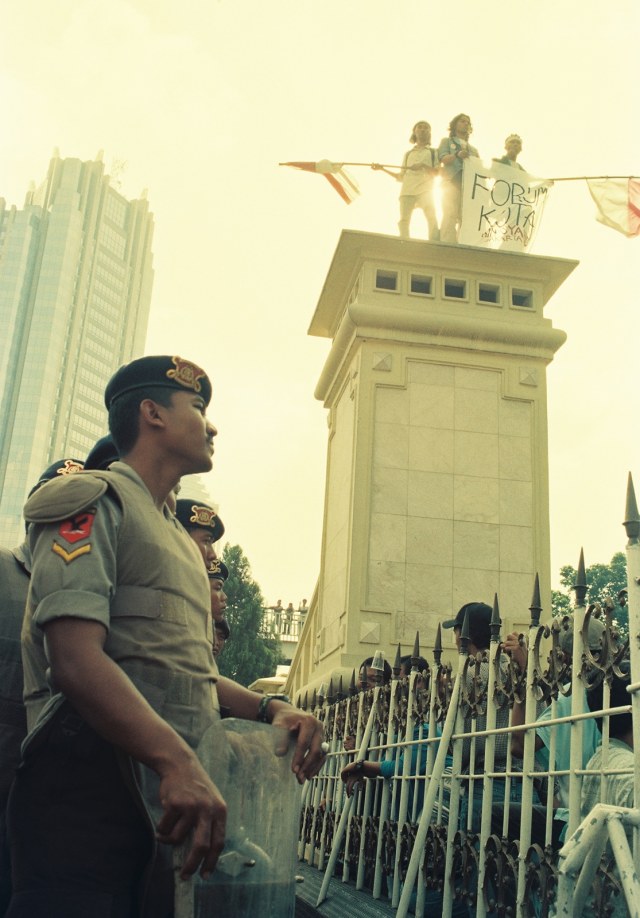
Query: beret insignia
{"x": 217, "y": 570}
{"x": 203, "y": 516}
{"x": 70, "y": 467}
{"x": 186, "y": 373}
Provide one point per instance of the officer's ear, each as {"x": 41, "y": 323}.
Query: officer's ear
{"x": 151, "y": 413}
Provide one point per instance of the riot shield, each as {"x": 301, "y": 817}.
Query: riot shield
{"x": 255, "y": 875}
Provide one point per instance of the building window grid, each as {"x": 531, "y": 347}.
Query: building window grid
{"x": 98, "y": 350}
{"x": 112, "y": 242}
{"x": 115, "y": 210}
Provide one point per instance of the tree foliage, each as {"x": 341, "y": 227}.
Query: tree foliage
{"x": 604, "y": 582}
{"x": 250, "y": 652}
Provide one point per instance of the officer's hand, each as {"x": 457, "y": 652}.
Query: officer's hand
{"x": 308, "y": 757}
{"x": 192, "y": 803}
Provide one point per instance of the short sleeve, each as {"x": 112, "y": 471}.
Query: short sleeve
{"x": 74, "y": 565}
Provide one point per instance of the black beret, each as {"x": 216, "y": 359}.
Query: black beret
{"x": 218, "y": 570}
{"x": 223, "y": 625}
{"x": 58, "y": 470}
{"x": 102, "y": 454}
{"x": 194, "y": 514}
{"x": 167, "y": 372}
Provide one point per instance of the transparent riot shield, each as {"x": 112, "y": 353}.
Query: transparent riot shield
{"x": 255, "y": 875}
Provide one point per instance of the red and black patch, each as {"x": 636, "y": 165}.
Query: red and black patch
{"x": 78, "y": 527}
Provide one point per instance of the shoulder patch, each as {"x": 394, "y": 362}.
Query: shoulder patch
{"x": 64, "y": 498}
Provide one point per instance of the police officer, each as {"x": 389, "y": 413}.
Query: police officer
{"x": 217, "y": 572}
{"x": 121, "y": 594}
{"x": 222, "y": 635}
{"x": 203, "y": 525}
{"x": 14, "y": 585}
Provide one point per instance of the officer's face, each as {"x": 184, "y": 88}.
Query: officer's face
{"x": 188, "y": 433}
{"x": 204, "y": 540}
{"x": 219, "y": 642}
{"x": 218, "y": 599}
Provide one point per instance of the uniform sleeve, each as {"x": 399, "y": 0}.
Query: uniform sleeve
{"x": 74, "y": 565}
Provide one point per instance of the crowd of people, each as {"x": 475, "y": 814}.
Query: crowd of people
{"x": 112, "y": 616}
{"x": 422, "y": 163}
{"x": 552, "y": 742}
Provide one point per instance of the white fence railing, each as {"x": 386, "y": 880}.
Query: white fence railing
{"x": 467, "y": 803}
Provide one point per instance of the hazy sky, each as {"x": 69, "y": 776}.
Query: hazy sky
{"x": 203, "y": 99}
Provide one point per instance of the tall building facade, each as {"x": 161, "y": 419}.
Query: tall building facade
{"x": 76, "y": 272}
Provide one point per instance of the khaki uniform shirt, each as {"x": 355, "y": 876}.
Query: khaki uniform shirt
{"x": 116, "y": 559}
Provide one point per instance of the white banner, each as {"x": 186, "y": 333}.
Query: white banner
{"x": 501, "y": 206}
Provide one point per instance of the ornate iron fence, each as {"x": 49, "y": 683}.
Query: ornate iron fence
{"x": 455, "y": 807}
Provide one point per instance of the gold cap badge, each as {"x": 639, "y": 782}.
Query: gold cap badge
{"x": 186, "y": 373}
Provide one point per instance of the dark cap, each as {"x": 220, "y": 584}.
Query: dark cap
{"x": 217, "y": 570}
{"x": 58, "y": 470}
{"x": 223, "y": 625}
{"x": 194, "y": 514}
{"x": 594, "y": 636}
{"x": 479, "y": 622}
{"x": 102, "y": 454}
{"x": 166, "y": 372}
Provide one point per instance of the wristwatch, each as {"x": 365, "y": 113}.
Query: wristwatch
{"x": 265, "y": 701}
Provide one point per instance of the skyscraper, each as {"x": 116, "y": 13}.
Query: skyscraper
{"x": 75, "y": 289}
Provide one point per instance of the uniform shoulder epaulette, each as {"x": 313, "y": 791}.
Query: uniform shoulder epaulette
{"x": 59, "y": 499}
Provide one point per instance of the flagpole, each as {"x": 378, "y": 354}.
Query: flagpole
{"x": 565, "y": 178}
{"x": 367, "y": 165}
{"x": 590, "y": 178}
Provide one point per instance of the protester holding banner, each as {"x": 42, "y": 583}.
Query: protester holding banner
{"x": 452, "y": 152}
{"x": 513, "y": 146}
{"x": 419, "y": 166}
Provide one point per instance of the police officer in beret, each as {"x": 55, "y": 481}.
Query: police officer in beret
{"x": 121, "y": 594}
{"x": 222, "y": 635}
{"x": 203, "y": 525}
{"x": 217, "y": 572}
{"x": 15, "y": 567}
{"x": 102, "y": 454}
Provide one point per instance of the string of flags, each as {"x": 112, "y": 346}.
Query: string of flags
{"x": 335, "y": 174}
{"x": 617, "y": 198}
{"x": 618, "y": 203}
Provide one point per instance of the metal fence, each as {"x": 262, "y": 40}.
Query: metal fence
{"x": 285, "y": 624}
{"x": 460, "y": 817}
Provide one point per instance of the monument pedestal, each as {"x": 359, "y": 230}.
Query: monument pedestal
{"x": 437, "y": 472}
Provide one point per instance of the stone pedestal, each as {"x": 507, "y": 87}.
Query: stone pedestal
{"x": 437, "y": 490}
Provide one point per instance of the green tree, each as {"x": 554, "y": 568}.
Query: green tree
{"x": 251, "y": 652}
{"x": 604, "y": 582}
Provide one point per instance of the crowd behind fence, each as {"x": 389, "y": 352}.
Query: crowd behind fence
{"x": 465, "y": 811}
